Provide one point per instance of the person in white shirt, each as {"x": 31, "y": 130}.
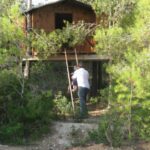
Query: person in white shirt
{"x": 82, "y": 77}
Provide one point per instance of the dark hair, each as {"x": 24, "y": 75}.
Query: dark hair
{"x": 80, "y": 64}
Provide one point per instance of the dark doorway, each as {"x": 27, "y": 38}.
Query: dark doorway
{"x": 99, "y": 76}
{"x": 60, "y": 18}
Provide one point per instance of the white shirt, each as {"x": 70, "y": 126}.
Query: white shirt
{"x": 82, "y": 77}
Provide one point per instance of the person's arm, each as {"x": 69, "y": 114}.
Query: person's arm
{"x": 74, "y": 76}
{"x": 74, "y": 88}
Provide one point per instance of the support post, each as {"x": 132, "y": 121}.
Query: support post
{"x": 28, "y": 50}
{"x": 26, "y": 69}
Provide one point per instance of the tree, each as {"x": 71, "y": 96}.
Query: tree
{"x": 11, "y": 34}
{"x": 20, "y": 110}
{"x": 127, "y": 42}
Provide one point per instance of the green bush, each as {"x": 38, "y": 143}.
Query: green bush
{"x": 62, "y": 106}
{"x": 112, "y": 129}
{"x": 128, "y": 118}
{"x": 22, "y": 113}
{"x": 12, "y": 132}
{"x": 101, "y": 99}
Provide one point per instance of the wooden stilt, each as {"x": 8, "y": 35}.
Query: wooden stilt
{"x": 26, "y": 69}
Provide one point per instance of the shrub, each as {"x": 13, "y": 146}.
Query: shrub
{"x": 101, "y": 98}
{"x": 112, "y": 129}
{"x": 128, "y": 117}
{"x": 62, "y": 106}
{"x": 22, "y": 114}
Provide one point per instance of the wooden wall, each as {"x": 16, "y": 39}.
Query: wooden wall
{"x": 44, "y": 17}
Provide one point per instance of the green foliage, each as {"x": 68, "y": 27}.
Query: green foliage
{"x": 39, "y": 106}
{"x": 24, "y": 110}
{"x": 58, "y": 40}
{"x": 101, "y": 101}
{"x": 5, "y": 4}
{"x": 128, "y": 117}
{"x": 72, "y": 33}
{"x": 12, "y": 132}
{"x": 11, "y": 88}
{"x": 119, "y": 12}
{"x": 107, "y": 38}
{"x": 62, "y": 107}
{"x": 141, "y": 31}
{"x": 112, "y": 128}
{"x": 11, "y": 107}
{"x": 46, "y": 44}
{"x": 37, "y": 114}
{"x": 114, "y": 40}
{"x": 10, "y": 96}
{"x": 22, "y": 114}
{"x": 11, "y": 34}
{"x": 128, "y": 46}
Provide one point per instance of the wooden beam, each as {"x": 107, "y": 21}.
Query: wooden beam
{"x": 71, "y": 57}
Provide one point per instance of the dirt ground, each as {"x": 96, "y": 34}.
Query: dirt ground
{"x": 142, "y": 146}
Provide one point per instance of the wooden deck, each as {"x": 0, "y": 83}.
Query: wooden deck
{"x": 84, "y": 57}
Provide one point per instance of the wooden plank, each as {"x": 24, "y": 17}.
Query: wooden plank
{"x": 70, "y": 90}
{"x": 70, "y": 57}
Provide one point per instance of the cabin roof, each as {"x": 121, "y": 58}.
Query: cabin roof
{"x": 75, "y": 2}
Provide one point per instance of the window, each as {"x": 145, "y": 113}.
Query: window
{"x": 60, "y": 18}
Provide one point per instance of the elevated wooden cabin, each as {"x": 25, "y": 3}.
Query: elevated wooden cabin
{"x": 51, "y": 16}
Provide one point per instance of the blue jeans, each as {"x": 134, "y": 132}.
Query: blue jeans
{"x": 82, "y": 93}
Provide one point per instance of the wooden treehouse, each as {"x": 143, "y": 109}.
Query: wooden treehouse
{"x": 51, "y": 16}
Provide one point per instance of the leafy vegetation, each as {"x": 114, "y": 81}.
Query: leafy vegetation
{"x": 62, "y": 106}
{"x": 59, "y": 40}
{"x": 11, "y": 33}
{"x": 21, "y": 113}
{"x": 25, "y": 108}
{"x": 128, "y": 117}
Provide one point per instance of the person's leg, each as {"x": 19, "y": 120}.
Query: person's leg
{"x": 86, "y": 90}
{"x": 82, "y": 93}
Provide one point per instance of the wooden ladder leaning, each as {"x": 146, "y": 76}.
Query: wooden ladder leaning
{"x": 69, "y": 80}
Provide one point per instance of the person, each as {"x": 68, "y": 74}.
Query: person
{"x": 82, "y": 77}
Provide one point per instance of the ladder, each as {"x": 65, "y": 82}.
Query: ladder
{"x": 69, "y": 80}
